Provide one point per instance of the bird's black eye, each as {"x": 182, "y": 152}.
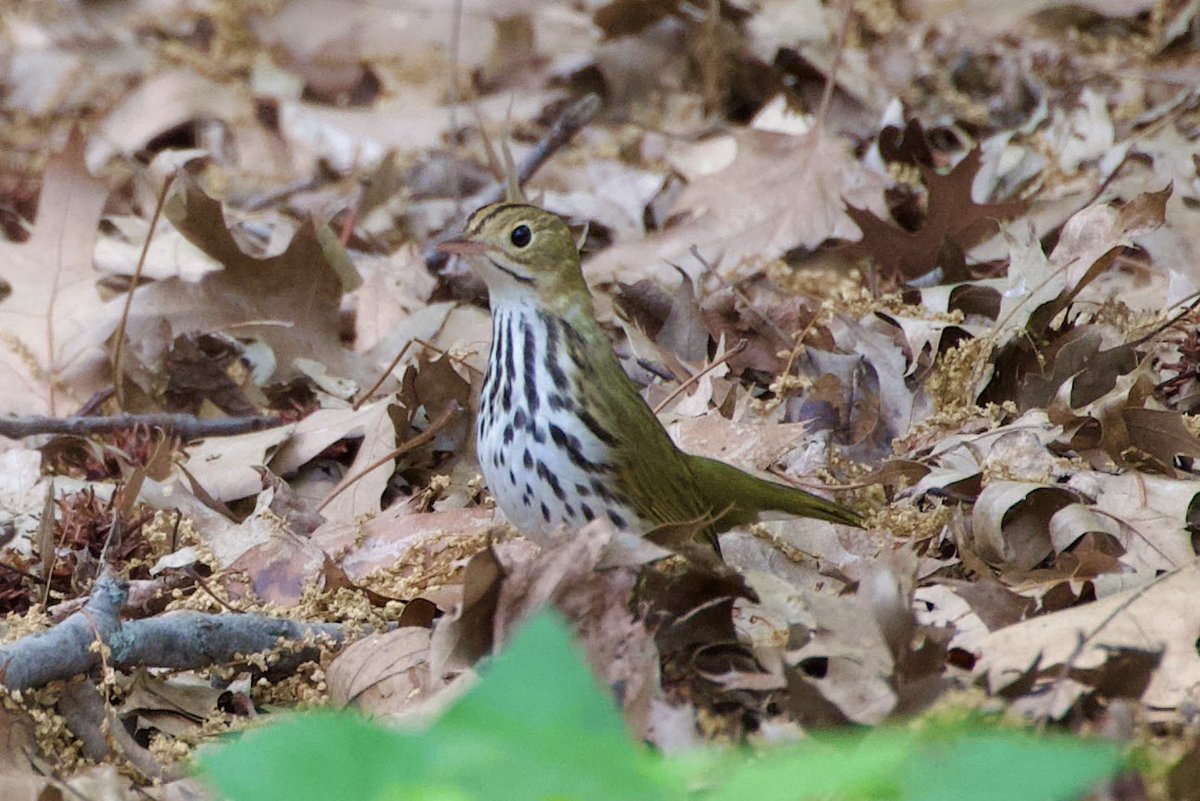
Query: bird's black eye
{"x": 520, "y": 236}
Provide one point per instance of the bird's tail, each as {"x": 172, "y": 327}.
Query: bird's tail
{"x": 744, "y": 496}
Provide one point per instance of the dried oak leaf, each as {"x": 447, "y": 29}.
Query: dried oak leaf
{"x": 846, "y": 661}
{"x": 953, "y": 224}
{"x": 384, "y": 674}
{"x": 48, "y": 340}
{"x": 197, "y": 370}
{"x": 176, "y": 97}
{"x": 290, "y": 301}
{"x": 1040, "y": 287}
{"x": 1161, "y": 433}
{"x": 779, "y": 193}
{"x": 1011, "y": 521}
{"x": 19, "y": 774}
{"x": 1080, "y": 641}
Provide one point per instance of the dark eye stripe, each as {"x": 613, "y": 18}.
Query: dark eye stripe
{"x": 475, "y": 222}
{"x": 524, "y": 279}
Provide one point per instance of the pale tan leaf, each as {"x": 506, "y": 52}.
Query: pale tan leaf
{"x": 53, "y": 323}
{"x": 781, "y": 192}
{"x": 1011, "y": 521}
{"x": 1161, "y": 617}
{"x": 383, "y": 674}
{"x": 290, "y": 300}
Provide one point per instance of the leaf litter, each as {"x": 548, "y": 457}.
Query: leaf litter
{"x": 961, "y": 287}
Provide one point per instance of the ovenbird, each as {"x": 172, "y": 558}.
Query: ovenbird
{"x": 563, "y": 436}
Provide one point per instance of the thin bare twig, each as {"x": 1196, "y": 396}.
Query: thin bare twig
{"x": 119, "y": 338}
{"x": 271, "y": 198}
{"x": 729, "y": 354}
{"x": 186, "y": 426}
{"x": 443, "y": 352}
{"x": 382, "y": 376}
{"x": 831, "y": 78}
{"x": 455, "y": 99}
{"x": 420, "y": 439}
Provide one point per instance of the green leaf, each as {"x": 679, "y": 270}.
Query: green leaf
{"x": 540, "y": 727}
{"x": 945, "y": 765}
{"x": 998, "y": 766}
{"x": 841, "y": 766}
{"x": 316, "y": 756}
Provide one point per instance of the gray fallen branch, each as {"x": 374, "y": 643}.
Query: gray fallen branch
{"x": 144, "y": 595}
{"x": 102, "y": 735}
{"x": 178, "y": 640}
{"x": 186, "y": 426}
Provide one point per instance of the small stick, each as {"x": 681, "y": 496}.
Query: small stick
{"x": 448, "y": 355}
{"x": 428, "y": 346}
{"x": 383, "y": 376}
{"x": 119, "y": 338}
{"x": 729, "y": 354}
{"x": 838, "y": 54}
{"x": 186, "y": 426}
{"x": 416, "y": 442}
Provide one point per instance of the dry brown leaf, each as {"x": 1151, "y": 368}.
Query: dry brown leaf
{"x": 1085, "y": 638}
{"x": 859, "y": 662}
{"x": 289, "y": 301}
{"x": 373, "y": 423}
{"x": 765, "y": 319}
{"x": 1152, "y": 515}
{"x": 19, "y": 776}
{"x": 182, "y": 695}
{"x": 984, "y": 17}
{"x": 781, "y": 192}
{"x": 278, "y": 563}
{"x": 352, "y": 139}
{"x": 1011, "y": 521}
{"x": 599, "y": 605}
{"x": 953, "y": 223}
{"x": 383, "y": 674}
{"x": 745, "y": 445}
{"x": 225, "y": 466}
{"x": 1082, "y": 134}
{"x": 1095, "y": 230}
{"x": 1174, "y": 247}
{"x": 123, "y": 237}
{"x": 22, "y": 494}
{"x": 394, "y": 294}
{"x": 871, "y": 344}
{"x": 180, "y": 96}
{"x": 1162, "y": 434}
{"x": 397, "y": 536}
{"x": 53, "y": 323}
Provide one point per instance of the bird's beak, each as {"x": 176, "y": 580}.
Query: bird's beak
{"x": 460, "y": 245}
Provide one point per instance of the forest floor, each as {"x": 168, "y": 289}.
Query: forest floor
{"x": 939, "y": 261}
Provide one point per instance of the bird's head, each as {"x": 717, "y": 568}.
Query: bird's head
{"x": 523, "y": 253}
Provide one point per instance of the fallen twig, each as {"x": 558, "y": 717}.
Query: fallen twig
{"x": 119, "y": 336}
{"x": 418, "y": 441}
{"x": 186, "y": 426}
{"x": 143, "y": 596}
{"x": 177, "y": 640}
{"x": 95, "y": 725}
